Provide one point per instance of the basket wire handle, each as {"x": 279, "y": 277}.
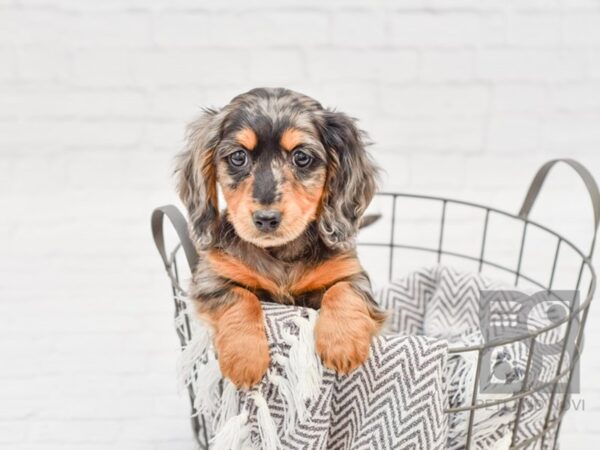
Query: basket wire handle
{"x": 181, "y": 228}
{"x": 588, "y": 180}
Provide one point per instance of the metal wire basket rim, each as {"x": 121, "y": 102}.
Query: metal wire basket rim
{"x": 525, "y": 220}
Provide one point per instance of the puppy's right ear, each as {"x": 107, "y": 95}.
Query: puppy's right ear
{"x": 196, "y": 177}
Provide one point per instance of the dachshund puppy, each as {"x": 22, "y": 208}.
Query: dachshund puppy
{"x": 296, "y": 179}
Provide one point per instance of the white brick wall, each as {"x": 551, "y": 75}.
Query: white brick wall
{"x": 463, "y": 98}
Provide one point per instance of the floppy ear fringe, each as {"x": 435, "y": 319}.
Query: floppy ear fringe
{"x": 196, "y": 177}
{"x": 351, "y": 180}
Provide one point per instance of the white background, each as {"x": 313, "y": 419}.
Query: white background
{"x": 463, "y": 98}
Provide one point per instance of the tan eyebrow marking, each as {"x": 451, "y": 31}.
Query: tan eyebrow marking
{"x": 291, "y": 138}
{"x": 247, "y": 138}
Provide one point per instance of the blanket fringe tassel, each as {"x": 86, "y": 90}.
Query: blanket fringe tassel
{"x": 234, "y": 434}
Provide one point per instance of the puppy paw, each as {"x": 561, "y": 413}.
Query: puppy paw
{"x": 243, "y": 358}
{"x": 241, "y": 342}
{"x": 344, "y": 329}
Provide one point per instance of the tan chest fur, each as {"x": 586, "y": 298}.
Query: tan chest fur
{"x": 297, "y": 280}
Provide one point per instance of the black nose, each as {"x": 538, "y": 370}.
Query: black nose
{"x": 266, "y": 221}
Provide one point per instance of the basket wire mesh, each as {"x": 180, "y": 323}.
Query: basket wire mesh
{"x": 585, "y": 281}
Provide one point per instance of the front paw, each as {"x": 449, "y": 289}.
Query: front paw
{"x": 243, "y": 357}
{"x": 344, "y": 330}
{"x": 241, "y": 342}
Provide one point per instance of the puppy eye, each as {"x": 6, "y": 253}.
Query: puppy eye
{"x": 301, "y": 159}
{"x": 238, "y": 159}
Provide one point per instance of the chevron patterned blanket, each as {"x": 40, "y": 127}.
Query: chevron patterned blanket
{"x": 395, "y": 401}
{"x": 444, "y": 303}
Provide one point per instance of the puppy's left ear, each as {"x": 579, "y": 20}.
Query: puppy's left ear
{"x": 351, "y": 179}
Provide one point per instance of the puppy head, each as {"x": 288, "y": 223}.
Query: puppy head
{"x": 282, "y": 162}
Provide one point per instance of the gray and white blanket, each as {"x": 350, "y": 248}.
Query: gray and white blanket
{"x": 395, "y": 401}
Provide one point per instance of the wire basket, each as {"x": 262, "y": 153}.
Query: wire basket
{"x": 384, "y": 244}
